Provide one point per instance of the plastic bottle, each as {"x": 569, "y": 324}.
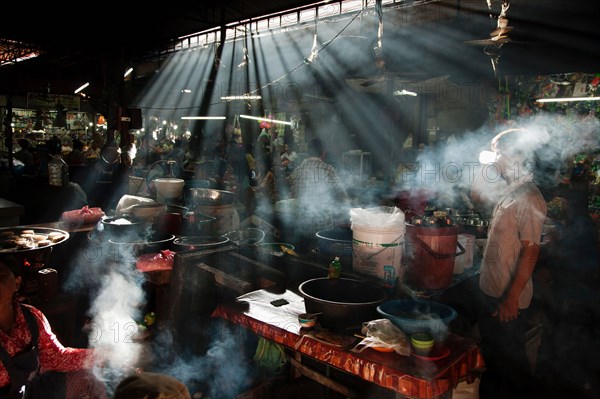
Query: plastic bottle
{"x": 58, "y": 172}
{"x": 335, "y": 268}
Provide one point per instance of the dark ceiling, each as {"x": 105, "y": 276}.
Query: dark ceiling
{"x": 550, "y": 36}
{"x": 76, "y": 38}
{"x": 58, "y": 28}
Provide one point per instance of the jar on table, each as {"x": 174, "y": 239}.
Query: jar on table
{"x": 58, "y": 172}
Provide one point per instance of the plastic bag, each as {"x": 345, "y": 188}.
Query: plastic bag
{"x": 127, "y": 202}
{"x": 269, "y": 355}
{"x": 237, "y": 130}
{"x": 381, "y": 333}
{"x": 380, "y": 217}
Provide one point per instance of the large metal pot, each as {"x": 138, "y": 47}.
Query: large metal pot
{"x": 122, "y": 226}
{"x": 135, "y": 246}
{"x": 192, "y": 243}
{"x": 344, "y": 303}
{"x": 200, "y": 197}
{"x": 336, "y": 241}
{"x": 218, "y": 204}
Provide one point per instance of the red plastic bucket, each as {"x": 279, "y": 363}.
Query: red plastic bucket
{"x": 433, "y": 250}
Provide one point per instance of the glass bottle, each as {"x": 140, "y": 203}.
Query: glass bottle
{"x": 58, "y": 172}
{"x": 335, "y": 268}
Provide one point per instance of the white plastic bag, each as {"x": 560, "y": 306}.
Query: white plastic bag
{"x": 381, "y": 333}
{"x": 379, "y": 216}
{"x": 127, "y": 202}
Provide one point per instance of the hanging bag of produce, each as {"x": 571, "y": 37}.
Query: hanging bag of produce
{"x": 237, "y": 130}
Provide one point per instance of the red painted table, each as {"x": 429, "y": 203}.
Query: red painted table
{"x": 405, "y": 375}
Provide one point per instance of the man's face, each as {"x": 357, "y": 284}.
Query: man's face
{"x": 510, "y": 166}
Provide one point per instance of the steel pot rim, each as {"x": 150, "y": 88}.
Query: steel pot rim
{"x": 325, "y": 301}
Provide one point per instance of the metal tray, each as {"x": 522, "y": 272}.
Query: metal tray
{"x": 17, "y": 230}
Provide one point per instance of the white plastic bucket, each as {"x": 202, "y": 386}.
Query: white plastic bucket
{"x": 378, "y": 252}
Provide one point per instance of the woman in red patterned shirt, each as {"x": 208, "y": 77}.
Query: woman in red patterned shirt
{"x": 34, "y": 364}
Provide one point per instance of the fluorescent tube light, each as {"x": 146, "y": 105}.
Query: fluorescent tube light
{"x": 83, "y": 86}
{"x": 566, "y": 99}
{"x": 405, "y": 93}
{"x": 128, "y": 72}
{"x": 244, "y": 97}
{"x": 202, "y": 117}
{"x": 256, "y": 118}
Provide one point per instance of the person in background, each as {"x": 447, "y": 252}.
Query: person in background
{"x": 288, "y": 158}
{"x": 220, "y": 163}
{"x": 24, "y": 154}
{"x": 509, "y": 259}
{"x": 570, "y": 272}
{"x": 263, "y": 144}
{"x": 76, "y": 157}
{"x": 54, "y": 145}
{"x": 93, "y": 152}
{"x": 122, "y": 172}
{"x": 250, "y": 179}
{"x": 267, "y": 188}
{"x": 178, "y": 155}
{"x": 31, "y": 355}
{"x": 319, "y": 195}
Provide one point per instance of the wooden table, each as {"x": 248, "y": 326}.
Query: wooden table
{"x": 405, "y": 376}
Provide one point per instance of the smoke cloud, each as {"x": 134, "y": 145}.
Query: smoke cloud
{"x": 450, "y": 168}
{"x": 117, "y": 302}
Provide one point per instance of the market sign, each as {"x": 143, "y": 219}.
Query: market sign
{"x": 47, "y": 101}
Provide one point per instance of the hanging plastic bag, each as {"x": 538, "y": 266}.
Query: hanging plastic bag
{"x": 382, "y": 334}
{"x": 269, "y": 355}
{"x": 237, "y": 130}
{"x": 379, "y": 216}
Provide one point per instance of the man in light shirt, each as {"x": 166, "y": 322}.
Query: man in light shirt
{"x": 509, "y": 259}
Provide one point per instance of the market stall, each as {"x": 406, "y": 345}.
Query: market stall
{"x": 409, "y": 376}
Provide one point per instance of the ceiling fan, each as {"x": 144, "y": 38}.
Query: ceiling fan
{"x": 391, "y": 83}
{"x": 498, "y": 37}
{"x": 387, "y": 76}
